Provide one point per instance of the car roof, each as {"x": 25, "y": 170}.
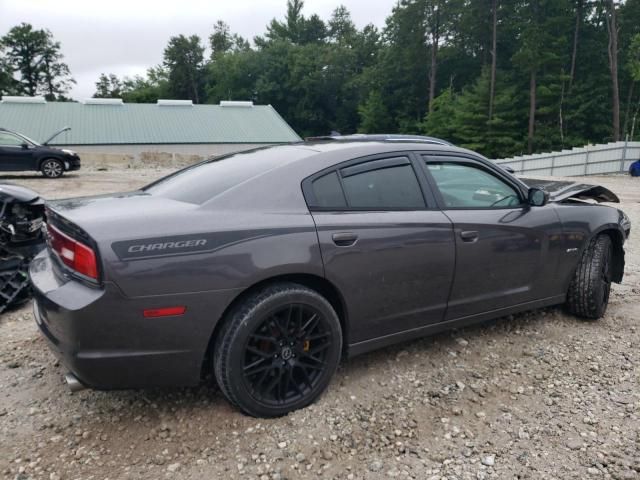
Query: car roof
{"x": 360, "y": 148}
{"x": 384, "y": 137}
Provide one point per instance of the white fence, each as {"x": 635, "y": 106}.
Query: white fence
{"x": 590, "y": 160}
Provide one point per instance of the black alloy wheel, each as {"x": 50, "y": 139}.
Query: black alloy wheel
{"x": 278, "y": 351}
{"x": 280, "y": 366}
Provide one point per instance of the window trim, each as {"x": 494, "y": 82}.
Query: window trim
{"x": 394, "y": 158}
{"x": 426, "y": 158}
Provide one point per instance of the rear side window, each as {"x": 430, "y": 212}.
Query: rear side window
{"x": 386, "y": 188}
{"x": 207, "y": 180}
{"x": 328, "y": 192}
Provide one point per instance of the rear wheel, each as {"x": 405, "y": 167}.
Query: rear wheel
{"x": 278, "y": 350}
{"x": 588, "y": 294}
{"x": 52, "y": 168}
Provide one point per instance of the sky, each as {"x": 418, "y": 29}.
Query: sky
{"x": 126, "y": 37}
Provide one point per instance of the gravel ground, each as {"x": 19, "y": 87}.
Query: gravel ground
{"x": 540, "y": 395}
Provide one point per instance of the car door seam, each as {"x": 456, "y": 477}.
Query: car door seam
{"x": 455, "y": 265}
{"x": 324, "y": 271}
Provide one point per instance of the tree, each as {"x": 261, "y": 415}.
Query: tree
{"x": 108, "y": 86}
{"x": 223, "y": 41}
{"x": 147, "y": 89}
{"x": 233, "y": 76}
{"x": 184, "y": 62}
{"x": 462, "y": 118}
{"x": 374, "y": 115}
{"x": 579, "y": 8}
{"x": 633, "y": 65}
{"x": 494, "y": 54}
{"x": 612, "y": 52}
{"x": 440, "y": 121}
{"x": 35, "y": 63}
{"x": 543, "y": 24}
{"x": 341, "y": 27}
{"x": 7, "y": 82}
{"x": 296, "y": 28}
{"x": 139, "y": 89}
{"x": 56, "y": 76}
{"x": 434, "y": 20}
{"x": 500, "y": 76}
{"x": 220, "y": 40}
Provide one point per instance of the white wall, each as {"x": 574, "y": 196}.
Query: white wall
{"x": 132, "y": 156}
{"x": 589, "y": 160}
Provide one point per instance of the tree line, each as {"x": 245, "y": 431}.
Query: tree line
{"x": 501, "y": 77}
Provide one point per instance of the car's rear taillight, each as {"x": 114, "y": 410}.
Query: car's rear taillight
{"x": 74, "y": 254}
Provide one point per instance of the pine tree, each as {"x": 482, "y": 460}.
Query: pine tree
{"x": 374, "y": 115}
{"x": 440, "y": 121}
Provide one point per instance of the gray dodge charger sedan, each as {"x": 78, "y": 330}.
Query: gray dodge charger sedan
{"x": 266, "y": 267}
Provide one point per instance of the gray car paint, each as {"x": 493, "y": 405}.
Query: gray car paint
{"x": 393, "y": 283}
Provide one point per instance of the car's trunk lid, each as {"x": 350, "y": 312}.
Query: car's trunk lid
{"x": 99, "y": 222}
{"x": 115, "y": 216}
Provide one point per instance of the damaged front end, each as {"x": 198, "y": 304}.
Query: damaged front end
{"x": 560, "y": 190}
{"x": 21, "y": 238}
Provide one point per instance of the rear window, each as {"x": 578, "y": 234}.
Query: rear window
{"x": 205, "y": 181}
{"x": 328, "y": 192}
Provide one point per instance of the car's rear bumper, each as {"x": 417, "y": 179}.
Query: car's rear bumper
{"x": 102, "y": 337}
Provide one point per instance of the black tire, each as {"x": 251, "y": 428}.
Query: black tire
{"x": 588, "y": 294}
{"x": 52, "y": 168}
{"x": 277, "y": 350}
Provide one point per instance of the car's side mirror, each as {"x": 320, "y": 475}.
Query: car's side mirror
{"x": 25, "y": 146}
{"x": 538, "y": 197}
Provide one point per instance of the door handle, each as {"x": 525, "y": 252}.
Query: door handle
{"x": 345, "y": 239}
{"x": 469, "y": 236}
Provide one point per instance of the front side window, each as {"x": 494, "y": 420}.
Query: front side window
{"x": 8, "y": 140}
{"x": 464, "y": 185}
{"x": 386, "y": 188}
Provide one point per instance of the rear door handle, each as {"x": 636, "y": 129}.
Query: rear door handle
{"x": 345, "y": 239}
{"x": 469, "y": 236}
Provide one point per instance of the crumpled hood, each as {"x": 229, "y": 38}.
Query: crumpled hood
{"x": 563, "y": 190}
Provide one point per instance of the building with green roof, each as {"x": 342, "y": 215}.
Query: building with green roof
{"x": 110, "y": 126}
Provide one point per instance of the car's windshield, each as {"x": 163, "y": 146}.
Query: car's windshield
{"x": 28, "y": 139}
{"x": 204, "y": 181}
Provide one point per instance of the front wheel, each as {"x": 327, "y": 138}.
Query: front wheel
{"x": 588, "y": 294}
{"x": 277, "y": 350}
{"x": 52, "y": 168}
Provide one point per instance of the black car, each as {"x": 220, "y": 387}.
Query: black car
{"x": 267, "y": 267}
{"x": 19, "y": 153}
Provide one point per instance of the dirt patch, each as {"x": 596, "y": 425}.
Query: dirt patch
{"x": 537, "y": 395}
